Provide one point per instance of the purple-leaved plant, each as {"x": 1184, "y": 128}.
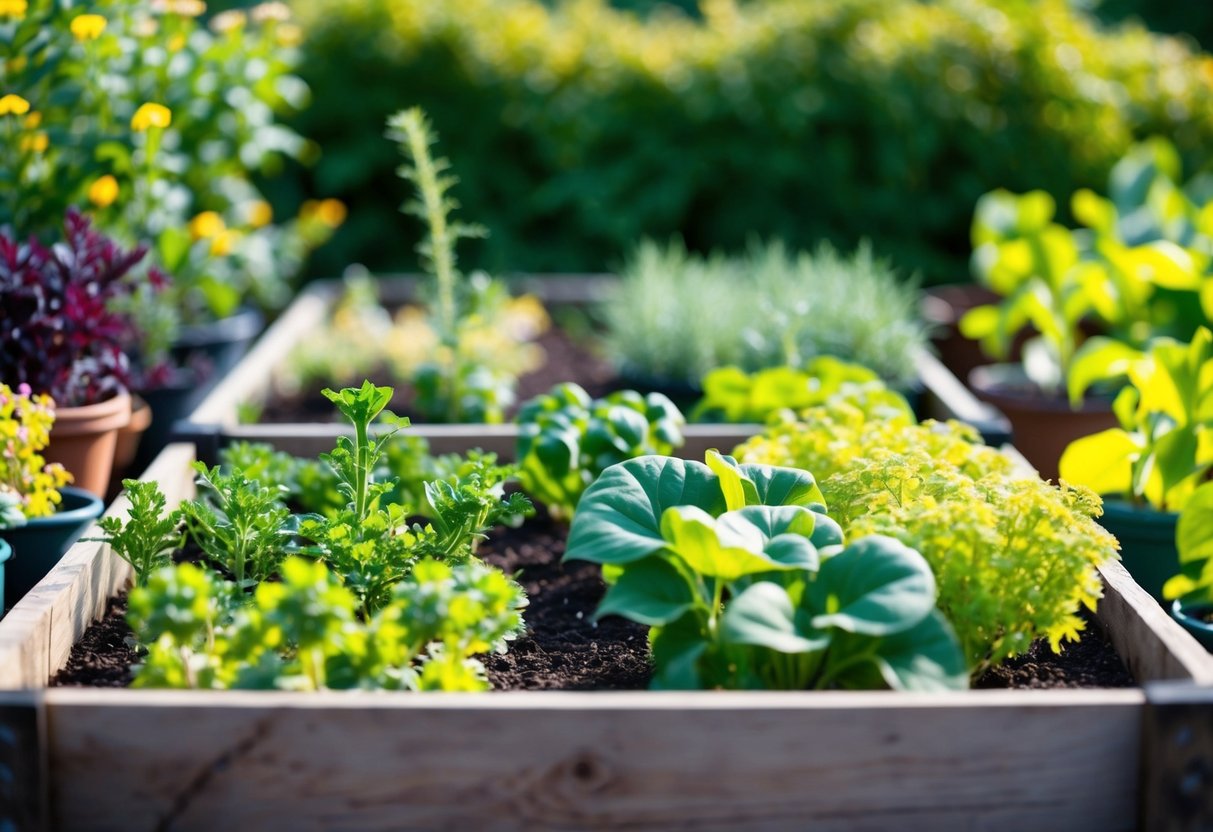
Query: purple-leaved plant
{"x": 59, "y": 329}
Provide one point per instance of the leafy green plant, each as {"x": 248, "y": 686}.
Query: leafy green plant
{"x": 1014, "y": 557}
{"x": 240, "y": 524}
{"x": 1161, "y": 453}
{"x": 566, "y": 439}
{"x": 1194, "y": 541}
{"x": 304, "y": 632}
{"x": 677, "y": 316}
{"x": 746, "y": 582}
{"x": 149, "y": 536}
{"x": 451, "y": 386}
{"x": 730, "y": 394}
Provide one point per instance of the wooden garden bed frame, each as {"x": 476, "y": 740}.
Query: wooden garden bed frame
{"x": 216, "y": 422}
{"x": 96, "y": 759}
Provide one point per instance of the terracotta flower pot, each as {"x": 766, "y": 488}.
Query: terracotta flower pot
{"x": 1043, "y": 424}
{"x": 130, "y": 434}
{"x": 84, "y": 439}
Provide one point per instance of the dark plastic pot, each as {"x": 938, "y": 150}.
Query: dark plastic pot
{"x": 1043, "y": 424}
{"x": 208, "y": 352}
{"x": 40, "y": 543}
{"x": 1195, "y": 618}
{"x": 1147, "y": 543}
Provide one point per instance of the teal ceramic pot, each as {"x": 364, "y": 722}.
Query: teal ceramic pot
{"x": 6, "y": 552}
{"x": 1195, "y": 618}
{"x": 39, "y": 544}
{"x": 1147, "y": 543}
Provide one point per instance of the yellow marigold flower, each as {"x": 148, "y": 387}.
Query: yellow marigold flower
{"x": 331, "y": 212}
{"x": 14, "y": 8}
{"x": 223, "y": 242}
{"x": 13, "y": 105}
{"x": 260, "y": 213}
{"x": 33, "y": 121}
{"x": 37, "y": 142}
{"x": 151, "y": 115}
{"x": 229, "y": 21}
{"x": 205, "y": 225}
{"x": 87, "y": 27}
{"x": 275, "y": 11}
{"x": 103, "y": 191}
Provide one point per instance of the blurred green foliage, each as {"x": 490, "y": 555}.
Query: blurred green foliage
{"x": 580, "y": 127}
{"x": 1178, "y": 17}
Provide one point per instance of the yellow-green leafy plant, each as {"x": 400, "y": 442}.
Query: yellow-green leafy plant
{"x": 29, "y": 486}
{"x": 1163, "y": 450}
{"x": 1194, "y": 542}
{"x": 1014, "y": 557}
{"x": 730, "y": 394}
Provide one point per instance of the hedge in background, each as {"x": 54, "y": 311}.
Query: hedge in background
{"x": 579, "y": 128}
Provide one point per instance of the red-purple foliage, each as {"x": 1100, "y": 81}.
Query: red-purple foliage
{"x": 59, "y": 330}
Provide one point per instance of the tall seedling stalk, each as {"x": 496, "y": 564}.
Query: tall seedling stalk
{"x": 412, "y": 131}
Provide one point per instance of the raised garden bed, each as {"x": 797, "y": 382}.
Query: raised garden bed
{"x": 1099, "y": 759}
{"x": 217, "y": 420}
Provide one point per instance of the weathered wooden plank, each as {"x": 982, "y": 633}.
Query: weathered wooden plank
{"x": 712, "y": 761}
{"x": 1177, "y": 757}
{"x": 1152, "y": 644}
{"x": 37, "y": 635}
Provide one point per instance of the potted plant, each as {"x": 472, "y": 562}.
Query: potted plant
{"x": 40, "y": 515}
{"x": 1191, "y": 590}
{"x": 1133, "y": 271}
{"x": 1158, "y": 456}
{"x": 64, "y": 337}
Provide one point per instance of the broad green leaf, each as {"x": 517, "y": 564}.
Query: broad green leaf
{"x": 732, "y": 482}
{"x": 1093, "y": 211}
{"x": 763, "y": 615}
{"x": 875, "y": 586}
{"x": 651, "y": 591}
{"x": 725, "y": 552}
{"x": 777, "y": 486}
{"x": 786, "y": 532}
{"x": 677, "y": 649}
{"x": 1175, "y": 456}
{"x": 1165, "y": 264}
{"x": 619, "y": 517}
{"x": 1102, "y": 462}
{"x": 1194, "y": 531}
{"x": 1099, "y": 359}
{"x": 925, "y": 658}
{"x": 979, "y": 322}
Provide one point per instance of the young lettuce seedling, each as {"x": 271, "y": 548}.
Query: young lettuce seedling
{"x": 565, "y": 439}
{"x": 746, "y": 583}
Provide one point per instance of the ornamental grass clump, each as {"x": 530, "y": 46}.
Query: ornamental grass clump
{"x": 679, "y": 316}
{"x": 1015, "y": 558}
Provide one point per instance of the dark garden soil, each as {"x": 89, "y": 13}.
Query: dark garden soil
{"x": 567, "y": 359}
{"x": 564, "y": 649}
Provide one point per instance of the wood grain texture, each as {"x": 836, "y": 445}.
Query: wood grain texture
{"x": 37, "y": 635}
{"x": 710, "y": 761}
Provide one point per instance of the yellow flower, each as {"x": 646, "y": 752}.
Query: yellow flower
{"x": 176, "y": 43}
{"x": 331, "y": 212}
{"x": 224, "y": 241}
{"x": 13, "y": 105}
{"x": 151, "y": 115}
{"x": 87, "y": 27}
{"x": 103, "y": 192}
{"x": 260, "y": 213}
{"x": 37, "y": 142}
{"x": 205, "y": 225}
{"x": 33, "y": 120}
{"x": 13, "y": 8}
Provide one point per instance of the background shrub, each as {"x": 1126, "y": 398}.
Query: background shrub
{"x": 576, "y": 128}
